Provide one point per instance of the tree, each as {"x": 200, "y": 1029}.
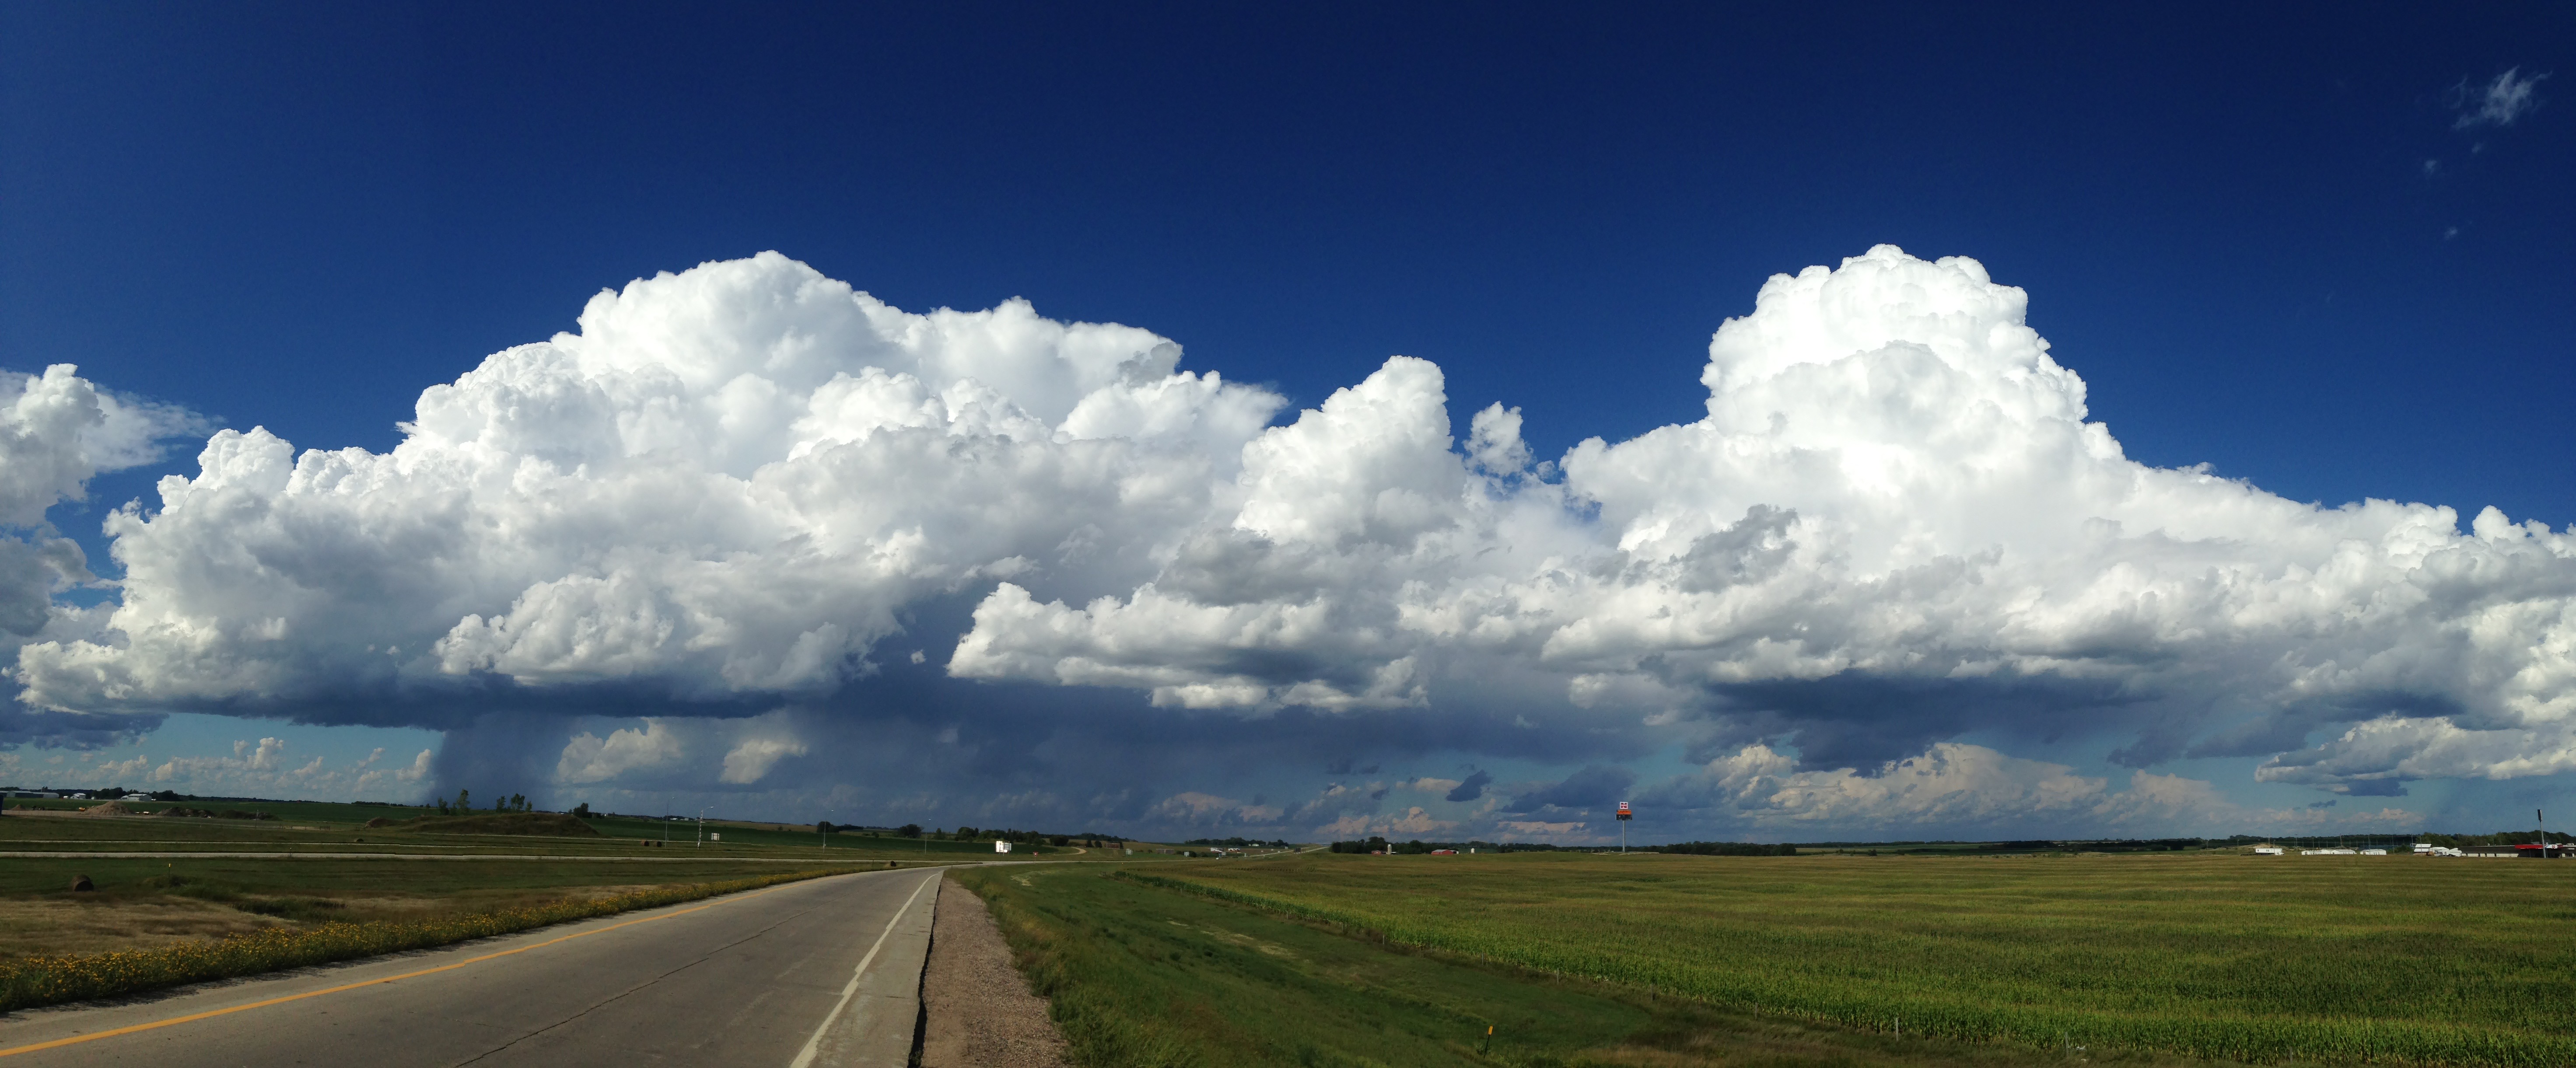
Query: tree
{"x": 822, "y": 826}
{"x": 464, "y": 801}
{"x": 582, "y": 810}
{"x": 909, "y": 830}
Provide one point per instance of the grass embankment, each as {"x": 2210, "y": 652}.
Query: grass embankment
{"x": 2213, "y": 955}
{"x": 1145, "y": 977}
{"x": 32, "y": 981}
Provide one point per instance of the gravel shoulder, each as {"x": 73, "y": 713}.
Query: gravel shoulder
{"x": 978, "y": 1011}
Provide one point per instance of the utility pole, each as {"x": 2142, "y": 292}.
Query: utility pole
{"x": 702, "y": 829}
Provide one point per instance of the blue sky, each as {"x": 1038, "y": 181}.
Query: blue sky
{"x": 2296, "y": 245}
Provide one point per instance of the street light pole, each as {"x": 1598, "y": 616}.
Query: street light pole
{"x": 702, "y": 829}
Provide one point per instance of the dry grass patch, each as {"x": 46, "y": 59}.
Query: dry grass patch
{"x": 68, "y": 926}
{"x": 53, "y": 979}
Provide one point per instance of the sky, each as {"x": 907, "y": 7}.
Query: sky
{"x": 1856, "y": 423}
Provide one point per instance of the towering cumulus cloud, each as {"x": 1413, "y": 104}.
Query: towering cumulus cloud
{"x": 732, "y": 488}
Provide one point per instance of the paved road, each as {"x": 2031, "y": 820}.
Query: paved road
{"x": 815, "y": 973}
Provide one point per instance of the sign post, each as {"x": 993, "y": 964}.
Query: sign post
{"x": 1624, "y": 816}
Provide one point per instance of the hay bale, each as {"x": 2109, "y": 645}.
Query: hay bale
{"x": 82, "y": 885}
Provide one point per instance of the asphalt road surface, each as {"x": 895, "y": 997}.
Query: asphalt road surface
{"x": 804, "y": 975}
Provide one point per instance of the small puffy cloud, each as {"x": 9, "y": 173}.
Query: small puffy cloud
{"x": 2499, "y": 102}
{"x": 264, "y": 768}
{"x": 750, "y": 760}
{"x": 589, "y": 758}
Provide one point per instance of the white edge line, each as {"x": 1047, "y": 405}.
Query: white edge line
{"x": 805, "y": 1057}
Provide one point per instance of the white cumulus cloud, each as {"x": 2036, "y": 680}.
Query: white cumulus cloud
{"x": 728, "y": 481}
{"x": 750, "y": 760}
{"x": 57, "y": 431}
{"x": 1895, "y": 524}
{"x": 590, "y": 758}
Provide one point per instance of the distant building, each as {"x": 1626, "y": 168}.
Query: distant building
{"x": 2267, "y": 851}
{"x": 1000, "y": 846}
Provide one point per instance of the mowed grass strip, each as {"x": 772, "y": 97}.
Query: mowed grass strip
{"x": 2212, "y": 955}
{"x": 45, "y": 980}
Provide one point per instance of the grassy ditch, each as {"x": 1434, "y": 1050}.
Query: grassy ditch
{"x": 48, "y": 980}
{"x": 1140, "y": 976}
{"x": 2264, "y": 960}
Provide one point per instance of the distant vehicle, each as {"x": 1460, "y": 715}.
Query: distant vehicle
{"x": 1444, "y": 852}
{"x": 1000, "y": 846}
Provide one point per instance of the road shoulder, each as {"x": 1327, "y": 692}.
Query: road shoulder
{"x": 977, "y": 1009}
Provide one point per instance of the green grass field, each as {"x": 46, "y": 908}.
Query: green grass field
{"x": 2209, "y": 954}
{"x": 1146, "y": 977}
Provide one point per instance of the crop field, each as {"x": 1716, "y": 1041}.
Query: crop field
{"x": 2209, "y": 954}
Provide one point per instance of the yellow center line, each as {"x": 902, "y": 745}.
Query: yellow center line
{"x": 194, "y": 1017}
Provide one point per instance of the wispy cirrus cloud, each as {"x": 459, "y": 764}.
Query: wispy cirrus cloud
{"x": 2499, "y": 102}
